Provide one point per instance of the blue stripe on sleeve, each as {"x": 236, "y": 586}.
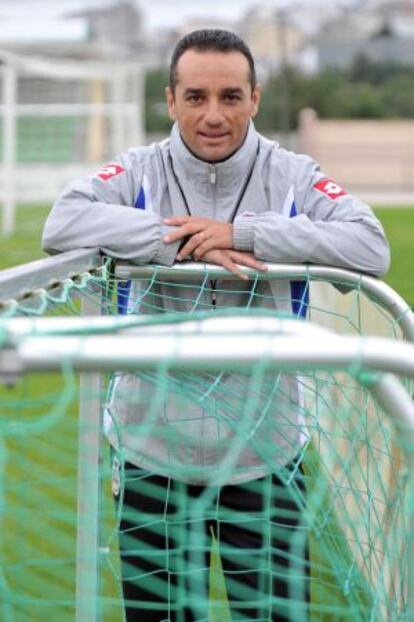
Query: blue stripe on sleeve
{"x": 299, "y": 290}
{"x": 124, "y": 289}
{"x": 140, "y": 203}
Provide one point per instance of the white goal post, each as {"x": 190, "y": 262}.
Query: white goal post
{"x": 59, "y": 119}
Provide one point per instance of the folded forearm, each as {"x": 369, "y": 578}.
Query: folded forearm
{"x": 355, "y": 245}
{"x": 122, "y": 232}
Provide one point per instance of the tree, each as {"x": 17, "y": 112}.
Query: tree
{"x": 156, "y": 114}
{"x": 361, "y": 100}
{"x": 398, "y": 96}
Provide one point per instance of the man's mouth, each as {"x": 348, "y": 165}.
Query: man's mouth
{"x": 214, "y": 135}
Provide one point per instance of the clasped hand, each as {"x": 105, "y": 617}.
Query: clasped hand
{"x": 204, "y": 234}
{"x": 210, "y": 241}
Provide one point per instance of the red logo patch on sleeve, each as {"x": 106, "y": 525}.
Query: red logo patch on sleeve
{"x": 330, "y": 188}
{"x": 110, "y": 170}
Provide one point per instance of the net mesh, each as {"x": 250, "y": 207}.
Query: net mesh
{"x": 258, "y": 495}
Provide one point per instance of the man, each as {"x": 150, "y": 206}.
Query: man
{"x": 216, "y": 192}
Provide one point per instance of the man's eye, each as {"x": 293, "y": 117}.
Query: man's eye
{"x": 194, "y": 99}
{"x": 233, "y": 98}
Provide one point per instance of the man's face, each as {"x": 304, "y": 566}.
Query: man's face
{"x": 213, "y": 102}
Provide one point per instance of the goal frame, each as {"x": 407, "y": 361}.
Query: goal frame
{"x": 25, "y": 281}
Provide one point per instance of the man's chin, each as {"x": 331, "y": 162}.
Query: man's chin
{"x": 213, "y": 154}
{"x": 214, "y": 157}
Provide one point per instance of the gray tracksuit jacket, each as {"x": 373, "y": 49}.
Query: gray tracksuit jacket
{"x": 284, "y": 210}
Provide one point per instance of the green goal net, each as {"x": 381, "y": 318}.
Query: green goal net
{"x": 233, "y": 487}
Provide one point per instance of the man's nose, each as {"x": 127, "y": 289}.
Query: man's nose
{"x": 214, "y": 114}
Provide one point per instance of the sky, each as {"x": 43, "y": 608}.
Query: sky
{"x": 158, "y": 13}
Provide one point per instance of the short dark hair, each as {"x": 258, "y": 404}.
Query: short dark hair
{"x": 206, "y": 40}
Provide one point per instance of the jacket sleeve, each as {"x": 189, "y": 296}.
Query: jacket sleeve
{"x": 96, "y": 212}
{"x": 316, "y": 226}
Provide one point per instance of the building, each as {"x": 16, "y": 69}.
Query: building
{"x": 273, "y": 39}
{"x": 116, "y": 28}
{"x": 66, "y": 29}
{"x": 381, "y": 32}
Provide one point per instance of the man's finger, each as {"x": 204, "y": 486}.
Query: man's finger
{"x": 176, "y": 221}
{"x": 198, "y": 221}
{"x": 182, "y": 232}
{"x": 193, "y": 243}
{"x": 234, "y": 268}
{"x": 248, "y": 261}
{"x": 203, "y": 248}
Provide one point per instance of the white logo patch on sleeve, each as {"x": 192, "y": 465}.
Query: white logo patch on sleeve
{"x": 330, "y": 188}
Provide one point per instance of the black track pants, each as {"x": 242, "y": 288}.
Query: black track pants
{"x": 166, "y": 549}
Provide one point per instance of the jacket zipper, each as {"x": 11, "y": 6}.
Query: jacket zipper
{"x": 213, "y": 175}
{"x": 213, "y": 284}
{"x": 213, "y": 181}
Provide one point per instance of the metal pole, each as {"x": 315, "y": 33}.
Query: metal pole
{"x": 89, "y": 493}
{"x": 9, "y": 148}
{"x": 394, "y": 400}
{"x": 47, "y": 273}
{"x": 198, "y": 351}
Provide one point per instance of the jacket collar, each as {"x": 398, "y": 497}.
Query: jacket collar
{"x": 230, "y": 174}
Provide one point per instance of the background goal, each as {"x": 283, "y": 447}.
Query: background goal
{"x": 73, "y": 115}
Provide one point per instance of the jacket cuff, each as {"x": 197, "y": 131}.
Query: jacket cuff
{"x": 166, "y": 253}
{"x": 243, "y": 233}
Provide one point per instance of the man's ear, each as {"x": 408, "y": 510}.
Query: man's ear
{"x": 170, "y": 103}
{"x": 256, "y": 97}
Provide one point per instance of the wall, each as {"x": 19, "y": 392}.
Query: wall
{"x": 362, "y": 155}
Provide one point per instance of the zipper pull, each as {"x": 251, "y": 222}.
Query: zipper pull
{"x": 213, "y": 175}
{"x": 213, "y": 285}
